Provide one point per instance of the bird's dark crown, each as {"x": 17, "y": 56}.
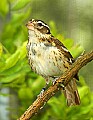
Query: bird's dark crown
{"x": 41, "y": 26}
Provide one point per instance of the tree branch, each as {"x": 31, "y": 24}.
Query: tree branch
{"x": 64, "y": 79}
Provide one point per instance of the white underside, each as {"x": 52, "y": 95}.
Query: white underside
{"x": 43, "y": 60}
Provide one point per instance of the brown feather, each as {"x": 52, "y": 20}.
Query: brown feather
{"x": 71, "y": 93}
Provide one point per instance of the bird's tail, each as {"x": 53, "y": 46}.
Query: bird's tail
{"x": 71, "y": 93}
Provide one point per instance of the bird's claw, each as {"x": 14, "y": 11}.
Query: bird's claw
{"x": 62, "y": 86}
{"x": 54, "y": 81}
{"x": 41, "y": 93}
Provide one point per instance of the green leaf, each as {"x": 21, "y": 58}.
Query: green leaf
{"x": 19, "y": 4}
{"x": 19, "y": 18}
{"x": 84, "y": 111}
{"x": 37, "y": 84}
{"x": 53, "y": 28}
{"x": 22, "y": 64}
{"x": 68, "y": 43}
{"x": 1, "y": 49}
{"x": 76, "y": 50}
{"x": 91, "y": 118}
{"x": 25, "y": 93}
{"x": 16, "y": 76}
{"x": 10, "y": 78}
{"x": 4, "y": 7}
{"x": 56, "y": 111}
{"x": 82, "y": 91}
{"x": 82, "y": 81}
{"x": 13, "y": 59}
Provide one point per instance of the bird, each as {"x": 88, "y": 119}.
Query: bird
{"x": 50, "y": 58}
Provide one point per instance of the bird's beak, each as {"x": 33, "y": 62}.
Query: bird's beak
{"x": 30, "y": 25}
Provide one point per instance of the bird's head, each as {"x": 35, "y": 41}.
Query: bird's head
{"x": 39, "y": 27}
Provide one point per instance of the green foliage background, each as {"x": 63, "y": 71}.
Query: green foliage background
{"x": 16, "y": 75}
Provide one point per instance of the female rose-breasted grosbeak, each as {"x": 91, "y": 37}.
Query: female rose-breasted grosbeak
{"x": 49, "y": 58}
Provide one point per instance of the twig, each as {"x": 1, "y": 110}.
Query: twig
{"x": 64, "y": 79}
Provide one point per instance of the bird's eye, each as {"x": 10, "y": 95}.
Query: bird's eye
{"x": 40, "y": 24}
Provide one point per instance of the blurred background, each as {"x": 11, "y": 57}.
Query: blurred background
{"x": 71, "y": 21}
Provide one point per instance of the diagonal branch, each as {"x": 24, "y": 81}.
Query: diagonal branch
{"x": 64, "y": 79}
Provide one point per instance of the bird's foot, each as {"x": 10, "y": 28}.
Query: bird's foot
{"x": 41, "y": 93}
{"x": 61, "y": 84}
{"x": 54, "y": 81}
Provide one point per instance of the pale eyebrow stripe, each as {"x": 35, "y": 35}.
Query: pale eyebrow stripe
{"x": 43, "y": 24}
